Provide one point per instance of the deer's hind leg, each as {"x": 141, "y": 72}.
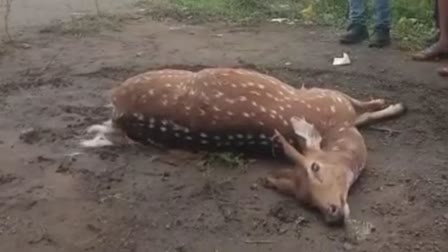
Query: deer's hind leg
{"x": 367, "y": 106}
{"x": 106, "y": 134}
{"x": 370, "y": 117}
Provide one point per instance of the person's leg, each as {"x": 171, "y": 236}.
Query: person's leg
{"x": 381, "y": 36}
{"x": 436, "y": 13}
{"x": 434, "y": 38}
{"x": 440, "y": 48}
{"x": 357, "y": 29}
{"x": 443, "y": 24}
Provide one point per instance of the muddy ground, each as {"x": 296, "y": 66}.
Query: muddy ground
{"x": 54, "y": 196}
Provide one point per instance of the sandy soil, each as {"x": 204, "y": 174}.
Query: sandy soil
{"x": 54, "y": 196}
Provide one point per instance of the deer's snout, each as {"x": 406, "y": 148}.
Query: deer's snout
{"x": 336, "y": 215}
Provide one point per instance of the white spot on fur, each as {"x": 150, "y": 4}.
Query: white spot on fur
{"x": 333, "y": 109}
{"x": 255, "y": 93}
{"x": 231, "y": 101}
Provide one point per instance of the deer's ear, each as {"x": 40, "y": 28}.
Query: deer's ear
{"x": 308, "y": 132}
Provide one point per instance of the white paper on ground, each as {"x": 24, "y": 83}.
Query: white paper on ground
{"x": 345, "y": 60}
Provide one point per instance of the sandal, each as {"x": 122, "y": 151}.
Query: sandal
{"x": 431, "y": 53}
{"x": 443, "y": 71}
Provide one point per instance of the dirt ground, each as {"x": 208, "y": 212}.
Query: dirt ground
{"x": 54, "y": 196}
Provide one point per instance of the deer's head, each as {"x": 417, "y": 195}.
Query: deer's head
{"x": 320, "y": 177}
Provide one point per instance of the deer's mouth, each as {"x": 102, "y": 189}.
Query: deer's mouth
{"x": 336, "y": 215}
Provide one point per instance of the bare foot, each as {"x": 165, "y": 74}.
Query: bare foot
{"x": 436, "y": 51}
{"x": 443, "y": 71}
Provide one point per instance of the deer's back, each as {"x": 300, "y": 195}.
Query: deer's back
{"x": 229, "y": 108}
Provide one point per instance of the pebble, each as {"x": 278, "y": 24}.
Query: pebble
{"x": 254, "y": 186}
{"x": 347, "y": 246}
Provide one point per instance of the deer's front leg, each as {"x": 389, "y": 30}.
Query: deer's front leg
{"x": 282, "y": 181}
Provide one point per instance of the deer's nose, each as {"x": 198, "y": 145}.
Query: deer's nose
{"x": 332, "y": 209}
{"x": 335, "y": 214}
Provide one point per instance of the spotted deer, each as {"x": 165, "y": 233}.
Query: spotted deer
{"x": 238, "y": 109}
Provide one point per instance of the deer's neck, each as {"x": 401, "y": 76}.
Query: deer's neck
{"x": 350, "y": 146}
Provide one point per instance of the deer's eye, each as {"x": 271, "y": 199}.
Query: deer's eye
{"x": 315, "y": 167}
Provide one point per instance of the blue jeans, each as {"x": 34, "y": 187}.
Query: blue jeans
{"x": 357, "y": 13}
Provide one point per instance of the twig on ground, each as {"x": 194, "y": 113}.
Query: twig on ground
{"x": 97, "y": 6}
{"x": 51, "y": 61}
{"x": 8, "y": 4}
{"x": 388, "y": 130}
{"x": 258, "y": 241}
